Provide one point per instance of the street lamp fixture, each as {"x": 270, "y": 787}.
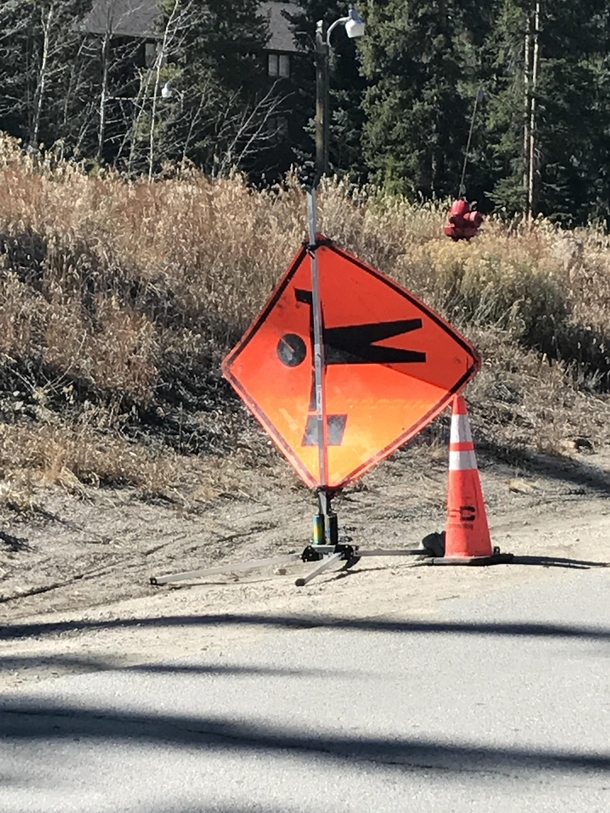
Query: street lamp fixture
{"x": 354, "y": 28}
{"x": 354, "y": 25}
{"x": 168, "y": 91}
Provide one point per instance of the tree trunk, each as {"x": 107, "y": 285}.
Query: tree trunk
{"x": 101, "y": 132}
{"x": 42, "y": 78}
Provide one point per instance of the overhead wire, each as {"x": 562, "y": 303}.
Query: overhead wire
{"x": 478, "y": 98}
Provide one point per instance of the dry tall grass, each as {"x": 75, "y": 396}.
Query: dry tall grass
{"x": 118, "y": 300}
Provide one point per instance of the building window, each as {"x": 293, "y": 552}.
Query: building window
{"x": 277, "y": 127}
{"x": 278, "y": 65}
{"x": 150, "y": 53}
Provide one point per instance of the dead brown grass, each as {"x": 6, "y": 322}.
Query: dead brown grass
{"x": 118, "y": 300}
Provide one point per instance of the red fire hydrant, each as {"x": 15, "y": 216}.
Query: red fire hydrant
{"x": 464, "y": 221}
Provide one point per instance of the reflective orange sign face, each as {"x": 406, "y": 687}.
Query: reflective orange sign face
{"x": 391, "y": 366}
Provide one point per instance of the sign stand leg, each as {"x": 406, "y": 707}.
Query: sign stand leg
{"x": 324, "y": 555}
{"x": 324, "y": 565}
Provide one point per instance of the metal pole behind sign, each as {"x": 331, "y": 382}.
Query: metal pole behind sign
{"x": 318, "y": 343}
{"x": 322, "y": 523}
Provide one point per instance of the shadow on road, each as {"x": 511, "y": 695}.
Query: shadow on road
{"x": 518, "y": 629}
{"x": 29, "y": 721}
{"x": 557, "y": 561}
{"x": 10, "y": 663}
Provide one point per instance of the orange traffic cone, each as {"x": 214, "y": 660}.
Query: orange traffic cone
{"x": 467, "y": 539}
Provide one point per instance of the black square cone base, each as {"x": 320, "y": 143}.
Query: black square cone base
{"x": 496, "y": 558}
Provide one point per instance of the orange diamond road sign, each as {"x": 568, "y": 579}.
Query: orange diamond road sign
{"x": 391, "y": 365}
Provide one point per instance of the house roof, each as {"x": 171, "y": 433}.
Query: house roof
{"x": 281, "y": 38}
{"x": 137, "y": 18}
{"x": 123, "y": 18}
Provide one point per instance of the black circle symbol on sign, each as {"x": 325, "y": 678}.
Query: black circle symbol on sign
{"x": 291, "y": 350}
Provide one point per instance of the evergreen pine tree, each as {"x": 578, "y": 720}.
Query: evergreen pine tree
{"x": 421, "y": 65}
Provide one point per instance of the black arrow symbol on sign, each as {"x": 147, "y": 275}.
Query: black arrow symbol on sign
{"x": 355, "y": 344}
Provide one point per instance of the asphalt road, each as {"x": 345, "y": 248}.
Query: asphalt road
{"x": 500, "y": 703}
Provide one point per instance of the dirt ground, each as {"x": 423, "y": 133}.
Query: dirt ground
{"x": 75, "y": 592}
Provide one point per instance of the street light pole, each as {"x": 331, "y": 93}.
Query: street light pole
{"x": 322, "y": 128}
{"x": 354, "y": 27}
{"x": 325, "y": 524}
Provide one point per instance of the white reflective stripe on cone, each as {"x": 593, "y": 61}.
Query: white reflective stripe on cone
{"x": 462, "y": 461}
{"x": 460, "y": 429}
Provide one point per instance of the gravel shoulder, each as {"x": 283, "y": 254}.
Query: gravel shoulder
{"x": 74, "y": 574}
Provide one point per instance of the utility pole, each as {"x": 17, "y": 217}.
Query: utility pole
{"x": 527, "y": 66}
{"x": 532, "y": 150}
{"x": 531, "y": 69}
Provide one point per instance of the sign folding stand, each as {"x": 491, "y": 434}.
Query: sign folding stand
{"x": 326, "y": 548}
